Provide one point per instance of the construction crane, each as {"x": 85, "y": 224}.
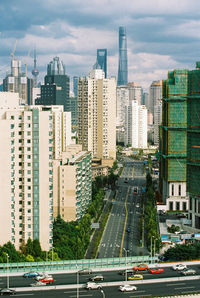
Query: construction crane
{"x": 13, "y": 51}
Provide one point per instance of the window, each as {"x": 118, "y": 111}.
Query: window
{"x": 172, "y": 189}
{"x": 29, "y": 226}
{"x": 28, "y": 141}
{"x": 190, "y": 207}
{"x": 171, "y": 206}
{"x": 28, "y": 117}
{"x": 29, "y": 202}
{"x": 184, "y": 206}
{"x": 177, "y": 206}
{"x": 12, "y": 117}
{"x": 29, "y": 210}
{"x": 179, "y": 190}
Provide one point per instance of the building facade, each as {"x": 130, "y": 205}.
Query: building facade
{"x": 97, "y": 115}
{"x": 123, "y": 60}
{"x": 31, "y": 138}
{"x": 56, "y": 88}
{"x": 173, "y": 141}
{"x": 72, "y": 183}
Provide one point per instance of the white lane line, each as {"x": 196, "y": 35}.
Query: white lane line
{"x": 87, "y": 295}
{"x": 184, "y": 288}
{"x": 23, "y": 295}
{"x": 145, "y": 295}
{"x": 187, "y": 292}
{"x": 171, "y": 285}
{"x": 73, "y": 292}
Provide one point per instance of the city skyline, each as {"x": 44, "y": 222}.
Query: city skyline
{"x": 161, "y": 35}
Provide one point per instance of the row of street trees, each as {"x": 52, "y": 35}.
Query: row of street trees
{"x": 151, "y": 224}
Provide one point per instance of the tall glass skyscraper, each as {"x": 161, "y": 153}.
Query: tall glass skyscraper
{"x": 102, "y": 60}
{"x": 123, "y": 64}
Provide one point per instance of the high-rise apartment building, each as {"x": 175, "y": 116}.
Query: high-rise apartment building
{"x": 55, "y": 90}
{"x": 123, "y": 61}
{"x": 135, "y": 92}
{"x": 122, "y": 101}
{"x": 97, "y": 115}
{"x": 102, "y": 60}
{"x": 157, "y": 121}
{"x": 72, "y": 183}
{"x": 17, "y": 81}
{"x": 31, "y": 138}
{"x": 173, "y": 141}
{"x": 155, "y": 95}
{"x": 135, "y": 125}
{"x": 75, "y": 86}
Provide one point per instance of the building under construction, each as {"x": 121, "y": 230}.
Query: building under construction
{"x": 180, "y": 143}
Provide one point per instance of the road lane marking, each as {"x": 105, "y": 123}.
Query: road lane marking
{"x": 184, "y": 288}
{"x": 145, "y": 295}
{"x": 171, "y": 285}
{"x": 86, "y": 295}
{"x": 73, "y": 292}
{"x": 23, "y": 295}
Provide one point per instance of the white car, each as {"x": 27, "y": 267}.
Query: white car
{"x": 127, "y": 288}
{"x": 179, "y": 267}
{"x": 93, "y": 286}
{"x": 42, "y": 276}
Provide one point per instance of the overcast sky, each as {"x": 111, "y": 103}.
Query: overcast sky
{"x": 161, "y": 34}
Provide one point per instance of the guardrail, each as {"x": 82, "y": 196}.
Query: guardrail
{"x": 75, "y": 264}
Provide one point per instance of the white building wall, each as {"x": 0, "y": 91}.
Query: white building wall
{"x": 134, "y": 121}
{"x": 142, "y": 127}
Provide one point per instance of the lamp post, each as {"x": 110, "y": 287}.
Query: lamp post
{"x": 126, "y": 251}
{"x": 151, "y": 248}
{"x": 7, "y": 270}
{"x": 77, "y": 292}
{"x": 103, "y": 294}
{"x": 52, "y": 253}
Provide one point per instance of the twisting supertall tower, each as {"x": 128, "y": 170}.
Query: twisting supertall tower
{"x": 35, "y": 71}
{"x": 123, "y": 64}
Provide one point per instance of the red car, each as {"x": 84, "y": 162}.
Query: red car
{"x": 141, "y": 267}
{"x": 47, "y": 280}
{"x": 157, "y": 270}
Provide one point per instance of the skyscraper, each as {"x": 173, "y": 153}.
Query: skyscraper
{"x": 123, "y": 64}
{"x": 55, "y": 90}
{"x": 102, "y": 60}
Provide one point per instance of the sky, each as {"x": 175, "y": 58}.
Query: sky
{"x": 161, "y": 35}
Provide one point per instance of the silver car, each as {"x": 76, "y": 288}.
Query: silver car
{"x": 188, "y": 272}
{"x": 93, "y": 286}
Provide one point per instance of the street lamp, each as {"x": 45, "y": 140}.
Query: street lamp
{"x": 151, "y": 248}
{"x": 103, "y": 294}
{"x": 52, "y": 253}
{"x": 7, "y": 270}
{"x": 126, "y": 251}
{"x": 77, "y": 292}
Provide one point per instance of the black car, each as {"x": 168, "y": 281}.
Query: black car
{"x": 7, "y": 292}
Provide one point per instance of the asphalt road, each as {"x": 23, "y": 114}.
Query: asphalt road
{"x": 122, "y": 230}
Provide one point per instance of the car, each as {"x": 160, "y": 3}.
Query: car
{"x": 188, "y": 272}
{"x": 127, "y": 288}
{"x": 135, "y": 276}
{"x": 38, "y": 284}
{"x": 96, "y": 277}
{"x": 47, "y": 280}
{"x": 141, "y": 267}
{"x": 85, "y": 271}
{"x": 93, "y": 286}
{"x": 127, "y": 271}
{"x": 137, "y": 205}
{"x": 179, "y": 267}
{"x": 156, "y": 270}
{"x": 128, "y": 229}
{"x": 31, "y": 274}
{"x": 42, "y": 276}
{"x": 7, "y": 291}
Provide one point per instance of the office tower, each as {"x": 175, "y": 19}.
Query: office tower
{"x": 155, "y": 95}
{"x": 55, "y": 90}
{"x": 135, "y": 125}
{"x": 31, "y": 138}
{"x": 173, "y": 141}
{"x": 102, "y": 60}
{"x": 97, "y": 115}
{"x": 157, "y": 121}
{"x": 73, "y": 181}
{"x": 145, "y": 99}
{"x": 122, "y": 100}
{"x": 36, "y": 94}
{"x": 123, "y": 64}
{"x": 35, "y": 71}
{"x": 75, "y": 86}
{"x": 135, "y": 92}
{"x": 17, "y": 81}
